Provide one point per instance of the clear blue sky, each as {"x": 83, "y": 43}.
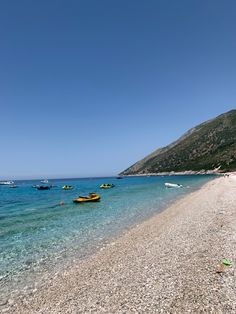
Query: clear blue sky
{"x": 89, "y": 87}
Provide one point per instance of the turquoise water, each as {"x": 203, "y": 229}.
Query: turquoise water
{"x": 35, "y": 230}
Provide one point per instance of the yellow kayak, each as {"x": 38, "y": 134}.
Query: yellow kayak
{"x": 67, "y": 187}
{"x": 93, "y": 197}
{"x": 107, "y": 186}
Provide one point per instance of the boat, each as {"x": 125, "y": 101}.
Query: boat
{"x": 119, "y": 178}
{"x": 106, "y": 186}
{"x": 43, "y": 187}
{"x": 35, "y": 186}
{"x": 173, "y": 185}
{"x": 93, "y": 197}
{"x": 13, "y": 186}
{"x": 6, "y": 182}
{"x": 44, "y": 181}
{"x": 67, "y": 187}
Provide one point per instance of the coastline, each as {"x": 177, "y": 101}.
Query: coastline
{"x": 166, "y": 264}
{"x": 174, "y": 173}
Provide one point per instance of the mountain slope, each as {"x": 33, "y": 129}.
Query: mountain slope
{"x": 207, "y": 146}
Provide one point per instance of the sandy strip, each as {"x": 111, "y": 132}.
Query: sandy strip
{"x": 167, "y": 264}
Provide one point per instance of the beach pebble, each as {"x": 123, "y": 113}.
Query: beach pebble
{"x": 10, "y": 302}
{"x": 3, "y": 302}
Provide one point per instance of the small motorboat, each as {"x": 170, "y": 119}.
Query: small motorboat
{"x": 43, "y": 187}
{"x": 67, "y": 187}
{"x": 93, "y": 197}
{"x": 106, "y": 186}
{"x": 173, "y": 185}
{"x": 119, "y": 178}
{"x": 6, "y": 182}
{"x": 44, "y": 181}
{"x": 35, "y": 186}
{"x": 13, "y": 186}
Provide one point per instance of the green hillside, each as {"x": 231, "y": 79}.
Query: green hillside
{"x": 207, "y": 146}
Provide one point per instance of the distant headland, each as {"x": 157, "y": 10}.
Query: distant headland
{"x": 205, "y": 149}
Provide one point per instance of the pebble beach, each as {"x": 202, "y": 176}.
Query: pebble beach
{"x": 170, "y": 263}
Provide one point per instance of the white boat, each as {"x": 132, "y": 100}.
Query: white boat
{"x": 6, "y": 182}
{"x": 173, "y": 185}
{"x": 44, "y": 181}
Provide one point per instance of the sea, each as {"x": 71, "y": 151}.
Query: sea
{"x": 38, "y": 233}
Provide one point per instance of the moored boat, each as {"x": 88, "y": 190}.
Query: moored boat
{"x": 44, "y": 181}
{"x": 13, "y": 186}
{"x": 6, "y": 182}
{"x": 93, "y": 197}
{"x": 173, "y": 185}
{"x": 67, "y": 187}
{"x": 106, "y": 186}
{"x": 43, "y": 187}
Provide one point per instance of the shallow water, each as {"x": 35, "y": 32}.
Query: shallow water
{"x": 36, "y": 231}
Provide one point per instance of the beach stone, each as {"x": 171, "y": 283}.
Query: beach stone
{"x": 3, "y": 302}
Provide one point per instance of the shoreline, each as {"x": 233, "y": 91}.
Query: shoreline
{"x": 121, "y": 277}
{"x": 27, "y": 279}
{"x": 173, "y": 173}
